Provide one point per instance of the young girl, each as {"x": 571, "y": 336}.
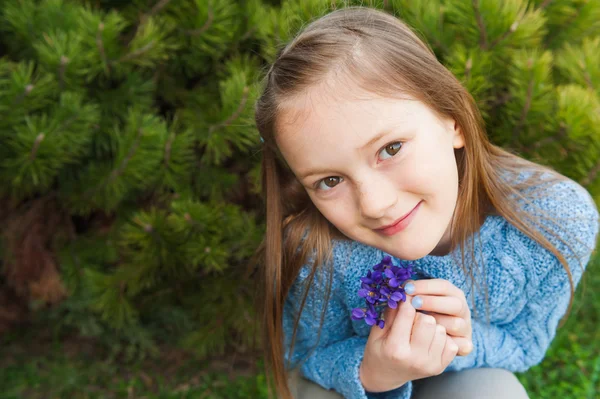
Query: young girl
{"x": 372, "y": 148}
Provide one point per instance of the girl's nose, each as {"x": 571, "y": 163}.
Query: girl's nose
{"x": 376, "y": 199}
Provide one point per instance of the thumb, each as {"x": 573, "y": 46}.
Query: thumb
{"x": 388, "y": 316}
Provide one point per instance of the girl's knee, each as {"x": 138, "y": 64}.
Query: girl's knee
{"x": 302, "y": 388}
{"x": 489, "y": 383}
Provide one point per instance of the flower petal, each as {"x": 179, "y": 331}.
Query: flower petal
{"x": 358, "y": 313}
{"x": 398, "y": 295}
{"x": 377, "y": 277}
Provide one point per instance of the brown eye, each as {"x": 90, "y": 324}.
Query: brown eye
{"x": 330, "y": 182}
{"x": 392, "y": 149}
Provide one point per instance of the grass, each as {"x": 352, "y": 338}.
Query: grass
{"x": 75, "y": 369}
{"x": 571, "y": 368}
{"x": 59, "y": 374}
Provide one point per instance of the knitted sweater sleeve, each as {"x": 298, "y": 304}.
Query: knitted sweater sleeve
{"x": 334, "y": 363}
{"x": 534, "y": 291}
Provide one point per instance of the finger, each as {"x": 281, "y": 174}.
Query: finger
{"x": 454, "y": 325}
{"x": 465, "y": 345}
{"x": 402, "y": 324}
{"x": 388, "y": 317}
{"x": 436, "y": 286}
{"x": 409, "y": 287}
{"x": 449, "y": 353}
{"x": 438, "y": 342}
{"x": 423, "y": 332}
{"x": 449, "y": 305}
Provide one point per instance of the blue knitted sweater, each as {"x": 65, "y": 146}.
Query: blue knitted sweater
{"x": 528, "y": 293}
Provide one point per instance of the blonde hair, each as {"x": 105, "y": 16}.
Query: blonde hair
{"x": 384, "y": 56}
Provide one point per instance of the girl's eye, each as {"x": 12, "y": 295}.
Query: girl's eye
{"x": 393, "y": 148}
{"x": 328, "y": 183}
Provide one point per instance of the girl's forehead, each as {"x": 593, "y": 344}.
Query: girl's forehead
{"x": 321, "y": 130}
{"x": 316, "y": 109}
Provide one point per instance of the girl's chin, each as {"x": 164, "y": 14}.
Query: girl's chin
{"x": 398, "y": 247}
{"x": 411, "y": 252}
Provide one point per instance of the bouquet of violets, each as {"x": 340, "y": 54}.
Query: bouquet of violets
{"x": 381, "y": 288}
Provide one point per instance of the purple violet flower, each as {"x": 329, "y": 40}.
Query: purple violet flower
{"x": 381, "y": 288}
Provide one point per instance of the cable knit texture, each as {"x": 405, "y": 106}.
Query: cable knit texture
{"x": 528, "y": 293}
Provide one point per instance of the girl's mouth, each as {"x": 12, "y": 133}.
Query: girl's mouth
{"x": 401, "y": 224}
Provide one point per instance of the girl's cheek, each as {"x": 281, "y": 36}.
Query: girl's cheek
{"x": 343, "y": 214}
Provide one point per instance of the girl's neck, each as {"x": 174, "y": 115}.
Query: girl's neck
{"x": 444, "y": 246}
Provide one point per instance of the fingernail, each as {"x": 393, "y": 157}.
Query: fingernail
{"x": 469, "y": 347}
{"x": 417, "y": 302}
{"x": 409, "y": 288}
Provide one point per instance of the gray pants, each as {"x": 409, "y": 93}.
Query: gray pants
{"x": 482, "y": 383}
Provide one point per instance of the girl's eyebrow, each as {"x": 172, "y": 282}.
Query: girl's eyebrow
{"x": 312, "y": 172}
{"x": 374, "y": 139}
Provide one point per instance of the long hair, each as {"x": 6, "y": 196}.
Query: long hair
{"x": 382, "y": 55}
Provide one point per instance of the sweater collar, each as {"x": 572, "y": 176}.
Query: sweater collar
{"x": 431, "y": 266}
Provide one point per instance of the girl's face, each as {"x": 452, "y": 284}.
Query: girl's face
{"x": 366, "y": 163}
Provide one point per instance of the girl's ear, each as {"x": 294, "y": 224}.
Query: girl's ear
{"x": 458, "y": 139}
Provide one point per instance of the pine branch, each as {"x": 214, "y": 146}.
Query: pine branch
{"x": 468, "y": 67}
{"x": 586, "y": 76}
{"x": 513, "y": 28}
{"x": 168, "y": 149}
{"x": 135, "y": 54}
{"x": 562, "y": 133}
{"x": 235, "y": 114}
{"x": 196, "y": 226}
{"x": 21, "y": 97}
{"x": 100, "y": 45}
{"x": 545, "y": 4}
{"x": 115, "y": 173}
{"x": 550, "y": 38}
{"x": 248, "y": 33}
{"x": 482, "y": 33}
{"x": 148, "y": 228}
{"x": 575, "y": 16}
{"x": 36, "y": 145}
{"x": 61, "y": 70}
{"x": 501, "y": 100}
{"x": 591, "y": 175}
{"x": 66, "y": 123}
{"x": 144, "y": 17}
{"x": 526, "y": 108}
{"x": 157, "y": 7}
{"x": 207, "y": 24}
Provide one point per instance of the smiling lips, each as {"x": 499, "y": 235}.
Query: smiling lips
{"x": 400, "y": 224}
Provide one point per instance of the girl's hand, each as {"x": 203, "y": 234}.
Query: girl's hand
{"x": 410, "y": 346}
{"x": 448, "y": 305}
